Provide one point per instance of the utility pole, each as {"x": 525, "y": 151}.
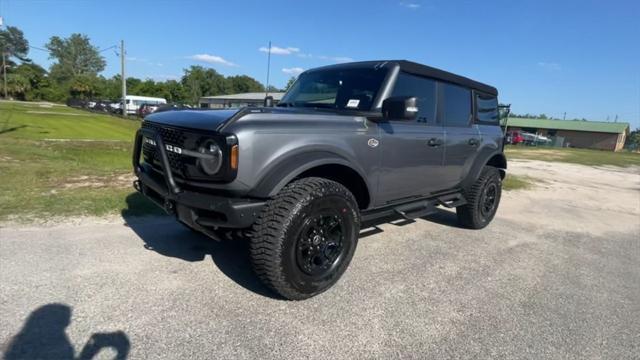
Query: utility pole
{"x": 4, "y": 65}
{"x": 124, "y": 80}
{"x": 564, "y": 117}
{"x": 268, "y": 70}
{"x": 4, "y": 72}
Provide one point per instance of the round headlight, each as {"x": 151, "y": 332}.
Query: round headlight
{"x": 212, "y": 161}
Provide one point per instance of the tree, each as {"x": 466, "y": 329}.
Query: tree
{"x": 75, "y": 56}
{"x": 290, "y": 83}
{"x": 37, "y": 78}
{"x": 633, "y": 140}
{"x": 199, "y": 81}
{"x": 83, "y": 86}
{"x": 242, "y": 84}
{"x": 13, "y": 43}
{"x": 17, "y": 86}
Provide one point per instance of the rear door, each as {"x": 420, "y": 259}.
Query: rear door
{"x": 462, "y": 136}
{"x": 411, "y": 151}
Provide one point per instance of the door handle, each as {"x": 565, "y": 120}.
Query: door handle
{"x": 474, "y": 142}
{"x": 434, "y": 142}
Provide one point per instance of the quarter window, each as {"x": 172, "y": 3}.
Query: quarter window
{"x": 486, "y": 109}
{"x": 425, "y": 92}
{"x": 457, "y": 105}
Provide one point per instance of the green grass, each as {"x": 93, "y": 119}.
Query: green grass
{"x": 513, "y": 182}
{"x": 575, "y": 156}
{"x": 61, "y": 161}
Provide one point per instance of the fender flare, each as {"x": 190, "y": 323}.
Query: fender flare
{"x": 483, "y": 158}
{"x": 289, "y": 167}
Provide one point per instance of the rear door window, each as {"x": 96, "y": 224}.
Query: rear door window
{"x": 456, "y": 104}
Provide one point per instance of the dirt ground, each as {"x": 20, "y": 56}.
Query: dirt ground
{"x": 556, "y": 275}
{"x": 574, "y": 197}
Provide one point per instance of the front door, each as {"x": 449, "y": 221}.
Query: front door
{"x": 411, "y": 152}
{"x": 411, "y": 160}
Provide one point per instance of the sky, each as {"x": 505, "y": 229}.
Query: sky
{"x": 581, "y": 58}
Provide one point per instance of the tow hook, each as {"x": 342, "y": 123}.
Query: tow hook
{"x": 136, "y": 185}
{"x": 169, "y": 207}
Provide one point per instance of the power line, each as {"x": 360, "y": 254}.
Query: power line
{"x": 110, "y": 47}
{"x": 38, "y": 48}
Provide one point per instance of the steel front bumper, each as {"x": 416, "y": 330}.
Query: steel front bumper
{"x": 201, "y": 211}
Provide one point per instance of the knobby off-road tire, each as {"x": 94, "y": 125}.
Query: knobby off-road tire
{"x": 483, "y": 198}
{"x": 305, "y": 237}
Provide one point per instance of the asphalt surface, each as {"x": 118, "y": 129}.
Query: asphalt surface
{"x": 424, "y": 289}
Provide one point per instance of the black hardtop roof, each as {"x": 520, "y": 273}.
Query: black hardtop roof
{"x": 421, "y": 70}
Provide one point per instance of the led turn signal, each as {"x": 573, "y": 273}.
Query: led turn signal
{"x": 234, "y": 157}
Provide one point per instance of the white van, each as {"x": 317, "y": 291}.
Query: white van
{"x": 134, "y": 102}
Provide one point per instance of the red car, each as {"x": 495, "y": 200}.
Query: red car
{"x": 514, "y": 137}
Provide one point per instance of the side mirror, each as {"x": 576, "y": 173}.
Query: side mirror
{"x": 400, "y": 108}
{"x": 268, "y": 101}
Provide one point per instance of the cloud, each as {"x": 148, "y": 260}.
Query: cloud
{"x": 551, "y": 66}
{"x": 276, "y": 50}
{"x": 410, "y": 5}
{"x": 211, "y": 59}
{"x": 293, "y": 70}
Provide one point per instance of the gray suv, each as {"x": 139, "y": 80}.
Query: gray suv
{"x": 348, "y": 144}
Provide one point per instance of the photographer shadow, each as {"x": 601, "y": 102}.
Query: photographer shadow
{"x": 43, "y": 336}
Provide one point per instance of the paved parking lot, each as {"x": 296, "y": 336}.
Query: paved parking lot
{"x": 556, "y": 275}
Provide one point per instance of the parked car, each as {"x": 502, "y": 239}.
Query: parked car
{"x": 514, "y": 137}
{"x": 146, "y": 109}
{"x": 348, "y": 144}
{"x": 76, "y": 103}
{"x": 173, "y": 106}
{"x": 535, "y": 139}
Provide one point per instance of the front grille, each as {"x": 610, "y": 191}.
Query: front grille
{"x": 170, "y": 136}
{"x": 186, "y": 167}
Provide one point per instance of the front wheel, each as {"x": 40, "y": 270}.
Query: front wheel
{"x": 483, "y": 198}
{"x": 305, "y": 238}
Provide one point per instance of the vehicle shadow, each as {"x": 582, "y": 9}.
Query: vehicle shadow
{"x": 43, "y": 336}
{"x": 168, "y": 237}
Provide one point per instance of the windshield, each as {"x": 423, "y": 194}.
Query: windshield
{"x": 344, "y": 89}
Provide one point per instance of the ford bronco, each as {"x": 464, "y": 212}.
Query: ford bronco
{"x": 346, "y": 145}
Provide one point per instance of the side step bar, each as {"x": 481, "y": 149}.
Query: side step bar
{"x": 416, "y": 208}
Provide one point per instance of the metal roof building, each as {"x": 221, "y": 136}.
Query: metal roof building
{"x": 575, "y": 133}
{"x": 238, "y": 100}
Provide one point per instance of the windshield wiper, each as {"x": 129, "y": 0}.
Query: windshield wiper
{"x": 286, "y": 104}
{"x": 319, "y": 106}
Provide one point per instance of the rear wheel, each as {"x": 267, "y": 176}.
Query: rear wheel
{"x": 305, "y": 238}
{"x": 483, "y": 198}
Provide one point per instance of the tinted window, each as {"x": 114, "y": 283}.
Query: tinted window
{"x": 425, "y": 92}
{"x": 457, "y": 105}
{"x": 486, "y": 109}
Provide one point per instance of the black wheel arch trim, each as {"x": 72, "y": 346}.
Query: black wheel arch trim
{"x": 485, "y": 158}
{"x": 290, "y": 167}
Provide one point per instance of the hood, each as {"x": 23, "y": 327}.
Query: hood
{"x": 195, "y": 119}
{"x": 214, "y": 120}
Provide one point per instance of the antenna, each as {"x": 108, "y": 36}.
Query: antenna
{"x": 266, "y": 90}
